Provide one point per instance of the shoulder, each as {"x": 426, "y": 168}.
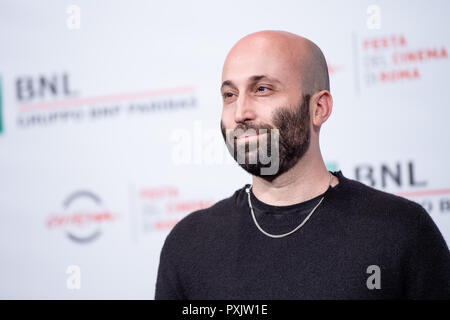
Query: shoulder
{"x": 399, "y": 234}
{"x": 203, "y": 224}
{"x": 361, "y": 196}
{"x": 381, "y": 211}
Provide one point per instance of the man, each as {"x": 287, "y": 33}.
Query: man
{"x": 300, "y": 232}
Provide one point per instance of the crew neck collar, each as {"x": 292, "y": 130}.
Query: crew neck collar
{"x": 294, "y": 207}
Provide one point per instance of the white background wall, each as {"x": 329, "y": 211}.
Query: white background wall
{"x": 142, "y": 52}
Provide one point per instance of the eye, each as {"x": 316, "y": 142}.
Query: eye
{"x": 262, "y": 89}
{"x": 227, "y": 95}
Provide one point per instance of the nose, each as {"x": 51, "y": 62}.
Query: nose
{"x": 244, "y": 112}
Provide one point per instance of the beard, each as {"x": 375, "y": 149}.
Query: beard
{"x": 294, "y": 139}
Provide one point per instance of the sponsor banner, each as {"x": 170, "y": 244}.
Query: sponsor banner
{"x": 50, "y": 99}
{"x": 110, "y": 132}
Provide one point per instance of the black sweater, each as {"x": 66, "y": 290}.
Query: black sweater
{"x": 218, "y": 252}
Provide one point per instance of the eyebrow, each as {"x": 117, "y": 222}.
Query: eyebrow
{"x": 252, "y": 79}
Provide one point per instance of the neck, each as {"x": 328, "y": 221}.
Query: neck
{"x": 306, "y": 180}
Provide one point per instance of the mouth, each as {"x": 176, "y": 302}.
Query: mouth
{"x": 249, "y": 137}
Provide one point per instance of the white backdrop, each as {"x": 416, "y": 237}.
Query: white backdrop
{"x": 109, "y": 124}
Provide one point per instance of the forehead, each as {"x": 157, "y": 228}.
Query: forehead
{"x": 274, "y": 61}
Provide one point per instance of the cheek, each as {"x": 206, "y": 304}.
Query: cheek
{"x": 227, "y": 117}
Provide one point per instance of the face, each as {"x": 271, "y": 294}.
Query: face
{"x": 293, "y": 140}
{"x": 262, "y": 90}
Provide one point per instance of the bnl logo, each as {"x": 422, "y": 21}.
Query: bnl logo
{"x": 399, "y": 175}
{"x": 43, "y": 87}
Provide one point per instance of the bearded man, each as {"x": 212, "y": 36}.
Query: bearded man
{"x": 298, "y": 231}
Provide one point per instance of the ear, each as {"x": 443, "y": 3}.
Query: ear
{"x": 321, "y": 107}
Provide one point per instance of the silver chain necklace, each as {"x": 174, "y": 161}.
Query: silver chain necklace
{"x": 290, "y": 232}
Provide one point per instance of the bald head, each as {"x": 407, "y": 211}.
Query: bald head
{"x": 279, "y": 54}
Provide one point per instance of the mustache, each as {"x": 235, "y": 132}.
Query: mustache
{"x": 250, "y": 126}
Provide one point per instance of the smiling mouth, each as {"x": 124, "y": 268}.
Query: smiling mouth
{"x": 248, "y": 137}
